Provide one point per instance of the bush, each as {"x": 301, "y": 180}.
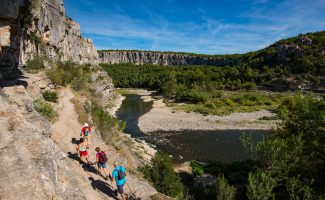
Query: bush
{"x": 70, "y": 73}
{"x": 45, "y": 109}
{"x": 105, "y": 123}
{"x": 78, "y": 84}
{"x": 51, "y": 96}
{"x": 197, "y": 169}
{"x": 293, "y": 157}
{"x": 160, "y": 172}
{"x": 224, "y": 190}
{"x": 35, "y": 64}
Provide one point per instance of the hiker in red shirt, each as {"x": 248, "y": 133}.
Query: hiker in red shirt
{"x": 85, "y": 131}
{"x": 101, "y": 160}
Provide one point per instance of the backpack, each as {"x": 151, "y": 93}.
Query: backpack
{"x": 120, "y": 174}
{"x": 87, "y": 131}
{"x": 102, "y": 157}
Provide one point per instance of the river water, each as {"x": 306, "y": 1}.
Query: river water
{"x": 218, "y": 145}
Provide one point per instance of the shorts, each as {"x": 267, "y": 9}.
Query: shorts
{"x": 120, "y": 189}
{"x": 83, "y": 153}
{"x": 101, "y": 165}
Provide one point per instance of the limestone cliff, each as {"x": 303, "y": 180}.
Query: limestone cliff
{"x": 30, "y": 28}
{"x": 161, "y": 58}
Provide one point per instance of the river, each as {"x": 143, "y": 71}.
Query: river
{"x": 216, "y": 145}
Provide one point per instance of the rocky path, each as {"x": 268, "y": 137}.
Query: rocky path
{"x": 65, "y": 130}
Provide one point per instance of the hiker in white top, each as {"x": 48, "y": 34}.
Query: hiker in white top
{"x": 82, "y": 148}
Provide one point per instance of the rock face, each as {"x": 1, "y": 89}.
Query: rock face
{"x": 32, "y": 166}
{"x": 288, "y": 50}
{"x": 157, "y": 58}
{"x": 30, "y": 28}
{"x": 292, "y": 50}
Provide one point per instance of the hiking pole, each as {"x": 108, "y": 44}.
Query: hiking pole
{"x": 129, "y": 188}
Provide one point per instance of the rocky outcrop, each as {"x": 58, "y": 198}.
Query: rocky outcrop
{"x": 288, "y": 50}
{"x": 292, "y": 50}
{"x": 30, "y": 28}
{"x": 32, "y": 166}
{"x": 160, "y": 58}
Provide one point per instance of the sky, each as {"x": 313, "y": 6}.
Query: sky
{"x": 198, "y": 26}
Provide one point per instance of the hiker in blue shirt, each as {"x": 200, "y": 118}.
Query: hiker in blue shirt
{"x": 118, "y": 175}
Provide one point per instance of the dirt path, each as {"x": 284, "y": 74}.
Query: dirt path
{"x": 66, "y": 128}
{"x": 94, "y": 186}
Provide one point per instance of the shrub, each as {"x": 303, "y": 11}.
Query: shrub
{"x": 56, "y": 74}
{"x": 70, "y": 73}
{"x": 160, "y": 172}
{"x": 35, "y": 64}
{"x": 45, "y": 109}
{"x": 78, "y": 84}
{"x": 293, "y": 157}
{"x": 105, "y": 123}
{"x": 197, "y": 169}
{"x": 224, "y": 190}
{"x": 268, "y": 118}
{"x": 51, "y": 96}
{"x": 260, "y": 186}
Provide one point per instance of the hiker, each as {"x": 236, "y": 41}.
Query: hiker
{"x": 118, "y": 175}
{"x": 85, "y": 131}
{"x": 83, "y": 153}
{"x": 101, "y": 160}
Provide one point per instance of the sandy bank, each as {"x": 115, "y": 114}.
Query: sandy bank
{"x": 163, "y": 118}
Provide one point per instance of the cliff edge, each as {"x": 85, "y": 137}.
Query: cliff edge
{"x": 39, "y": 28}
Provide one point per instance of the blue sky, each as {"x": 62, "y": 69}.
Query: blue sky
{"x": 199, "y": 26}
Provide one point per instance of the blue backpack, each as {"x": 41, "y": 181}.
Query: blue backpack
{"x": 120, "y": 173}
{"x": 87, "y": 131}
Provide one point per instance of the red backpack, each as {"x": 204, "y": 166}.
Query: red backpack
{"x": 102, "y": 157}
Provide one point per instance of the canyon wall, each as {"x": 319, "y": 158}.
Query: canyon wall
{"x": 161, "y": 58}
{"x": 30, "y": 28}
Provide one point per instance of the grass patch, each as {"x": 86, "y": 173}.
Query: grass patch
{"x": 231, "y": 102}
{"x": 45, "y": 109}
{"x": 80, "y": 110}
{"x": 106, "y": 124}
{"x": 51, "y": 96}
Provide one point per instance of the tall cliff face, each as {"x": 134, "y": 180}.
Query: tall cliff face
{"x": 157, "y": 58}
{"x": 30, "y": 28}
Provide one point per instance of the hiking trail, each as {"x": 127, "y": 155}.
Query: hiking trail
{"x": 65, "y": 131}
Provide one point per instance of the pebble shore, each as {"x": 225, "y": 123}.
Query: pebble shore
{"x": 164, "y": 118}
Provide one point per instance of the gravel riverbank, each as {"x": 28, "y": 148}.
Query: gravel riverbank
{"x": 163, "y": 118}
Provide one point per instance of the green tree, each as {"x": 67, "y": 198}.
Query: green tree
{"x": 292, "y": 158}
{"x": 161, "y": 173}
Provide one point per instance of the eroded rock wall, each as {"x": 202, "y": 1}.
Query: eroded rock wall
{"x": 157, "y": 58}
{"x": 32, "y": 166}
{"x": 30, "y": 28}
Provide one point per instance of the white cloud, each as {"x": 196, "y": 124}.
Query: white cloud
{"x": 212, "y": 36}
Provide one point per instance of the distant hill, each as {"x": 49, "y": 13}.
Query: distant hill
{"x": 297, "y": 62}
{"x": 304, "y": 53}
